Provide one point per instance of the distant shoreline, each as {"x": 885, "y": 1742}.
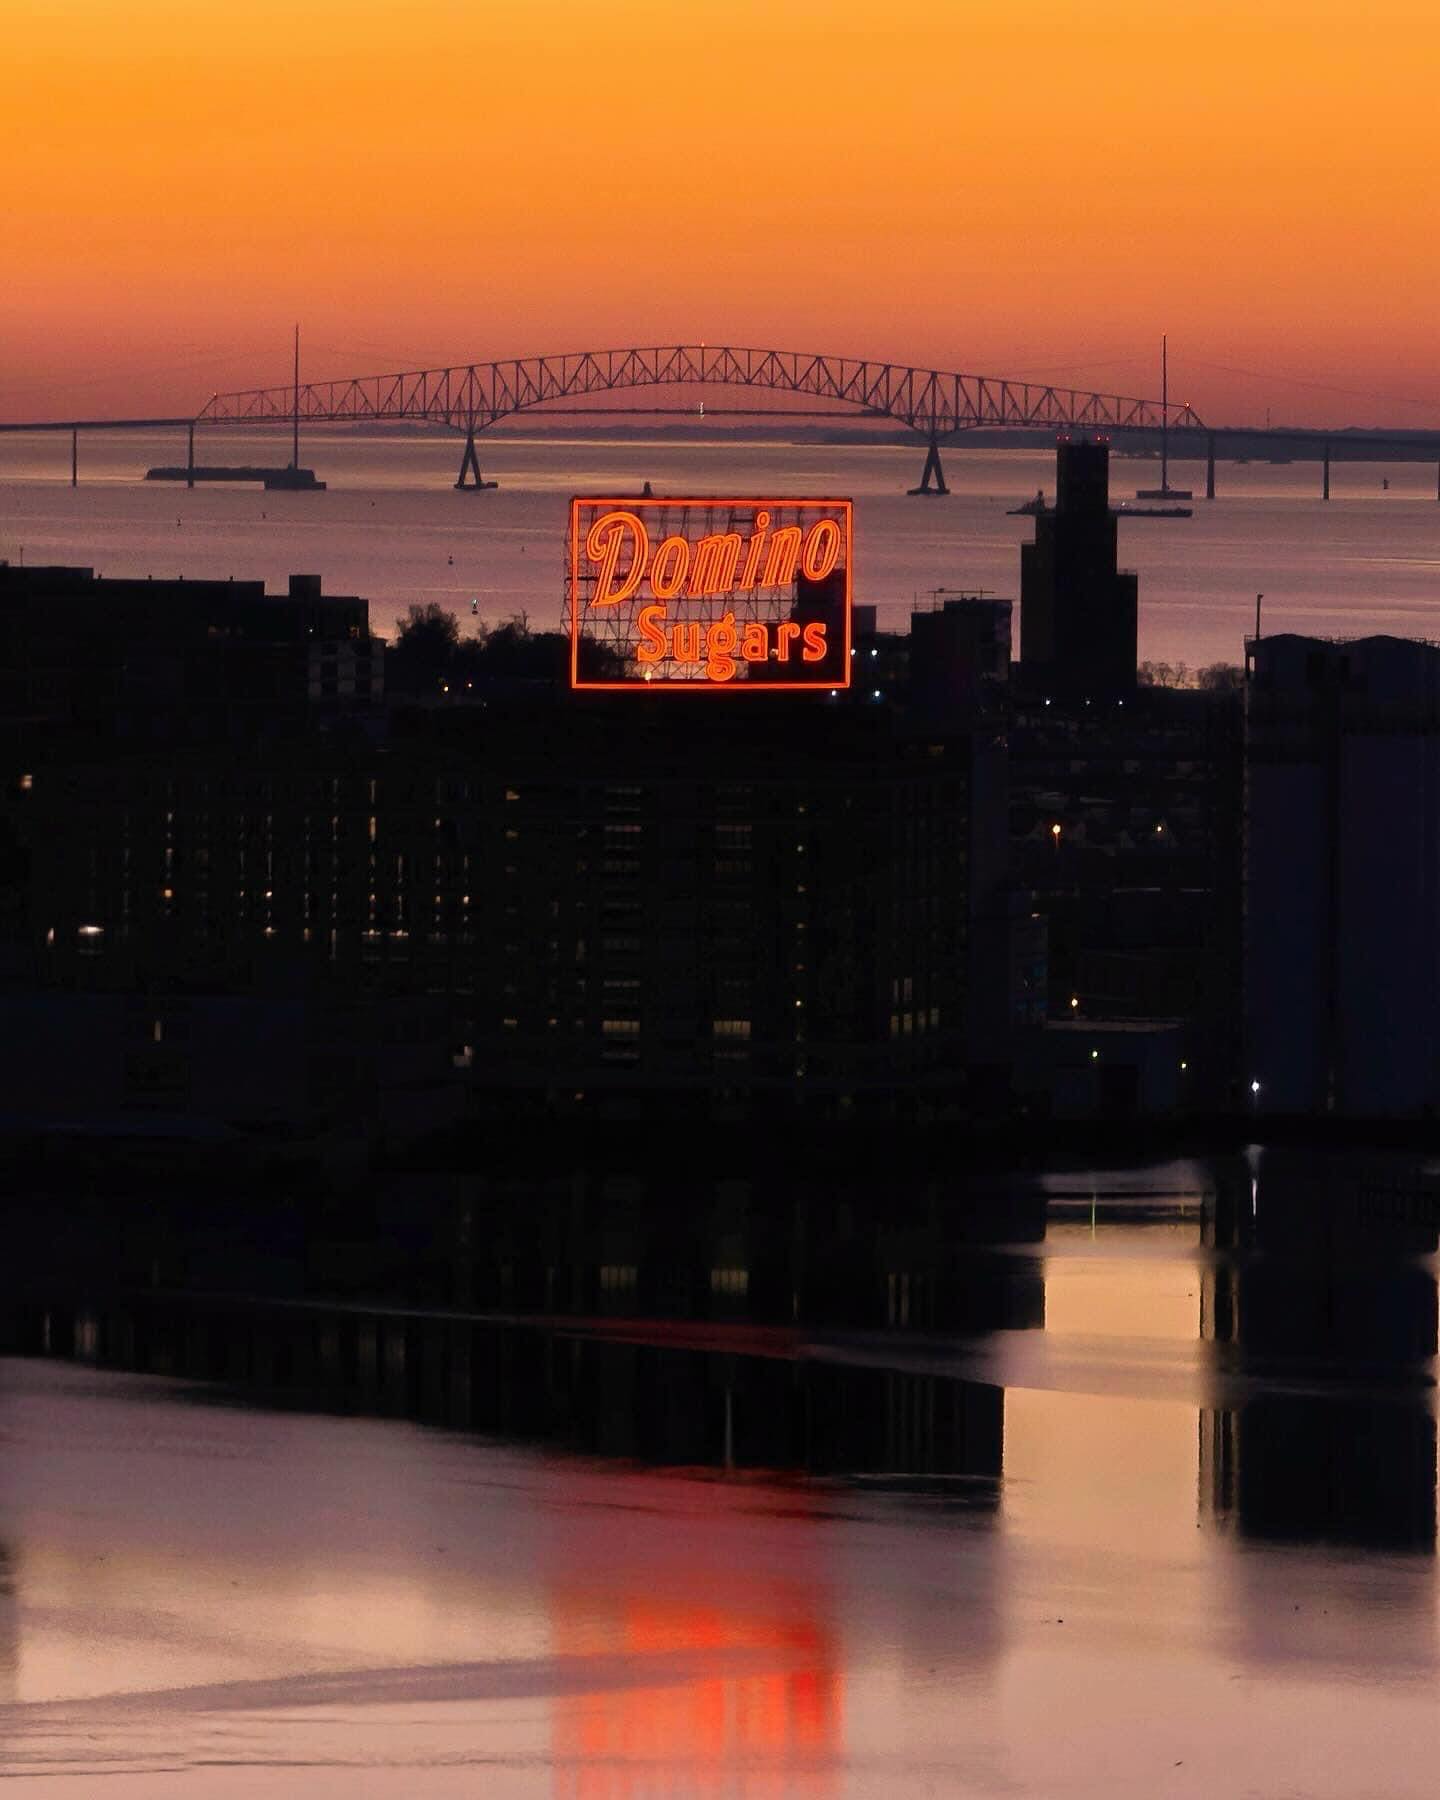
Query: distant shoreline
{"x": 1350, "y": 444}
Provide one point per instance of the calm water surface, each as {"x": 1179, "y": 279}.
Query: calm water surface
{"x": 1127, "y": 1490}
{"x": 392, "y": 528}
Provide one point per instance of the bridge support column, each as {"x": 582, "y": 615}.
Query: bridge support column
{"x": 933, "y": 467}
{"x": 190, "y": 456}
{"x": 470, "y": 466}
{"x": 1325, "y": 475}
{"x": 1210, "y": 466}
{"x": 74, "y": 456}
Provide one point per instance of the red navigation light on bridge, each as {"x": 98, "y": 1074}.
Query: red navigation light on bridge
{"x": 708, "y": 594}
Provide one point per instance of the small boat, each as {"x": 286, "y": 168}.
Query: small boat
{"x": 1028, "y": 508}
{"x": 1124, "y": 510}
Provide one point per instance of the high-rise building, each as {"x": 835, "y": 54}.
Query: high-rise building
{"x": 1078, "y": 610}
{"x": 1342, "y": 892}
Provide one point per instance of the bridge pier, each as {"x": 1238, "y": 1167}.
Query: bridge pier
{"x": 190, "y": 457}
{"x": 933, "y": 466}
{"x": 1210, "y": 466}
{"x": 470, "y": 465}
{"x": 74, "y": 456}
{"x": 1325, "y": 475}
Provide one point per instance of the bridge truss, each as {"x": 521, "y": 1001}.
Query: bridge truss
{"x": 471, "y": 396}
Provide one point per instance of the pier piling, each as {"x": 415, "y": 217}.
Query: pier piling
{"x": 470, "y": 466}
{"x": 933, "y": 467}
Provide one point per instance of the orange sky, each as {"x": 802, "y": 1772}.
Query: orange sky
{"x": 1016, "y": 189}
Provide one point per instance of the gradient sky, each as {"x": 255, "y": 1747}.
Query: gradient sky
{"x": 1017, "y": 189}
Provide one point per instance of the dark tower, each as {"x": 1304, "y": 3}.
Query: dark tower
{"x": 1078, "y": 611}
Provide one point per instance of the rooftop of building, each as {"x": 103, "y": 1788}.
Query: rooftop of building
{"x": 135, "y": 604}
{"x": 77, "y": 582}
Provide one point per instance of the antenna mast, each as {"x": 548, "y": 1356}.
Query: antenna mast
{"x": 295, "y": 454}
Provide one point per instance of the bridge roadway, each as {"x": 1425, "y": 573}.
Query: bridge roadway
{"x": 936, "y": 404}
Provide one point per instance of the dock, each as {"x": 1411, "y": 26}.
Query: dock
{"x": 300, "y": 480}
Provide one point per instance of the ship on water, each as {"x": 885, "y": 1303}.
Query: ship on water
{"x": 290, "y": 478}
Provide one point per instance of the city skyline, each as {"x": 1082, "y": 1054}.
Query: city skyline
{"x": 881, "y": 1237}
{"x": 439, "y": 184}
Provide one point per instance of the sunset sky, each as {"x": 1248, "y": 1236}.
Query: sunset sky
{"x": 1028, "y": 190}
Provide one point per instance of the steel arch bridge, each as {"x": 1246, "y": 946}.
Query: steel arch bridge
{"x": 471, "y": 396}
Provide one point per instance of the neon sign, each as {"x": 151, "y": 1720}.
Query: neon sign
{"x": 703, "y": 594}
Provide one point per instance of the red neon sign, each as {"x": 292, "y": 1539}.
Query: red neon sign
{"x": 707, "y": 595}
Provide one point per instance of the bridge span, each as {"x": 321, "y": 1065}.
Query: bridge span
{"x": 936, "y": 404}
{"x": 471, "y": 396}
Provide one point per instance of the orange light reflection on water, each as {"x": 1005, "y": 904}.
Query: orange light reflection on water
{"x": 746, "y": 1696}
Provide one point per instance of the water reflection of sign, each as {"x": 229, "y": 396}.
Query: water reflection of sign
{"x": 705, "y": 594}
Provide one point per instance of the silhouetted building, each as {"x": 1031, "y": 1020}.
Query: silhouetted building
{"x": 1342, "y": 972}
{"x": 178, "y": 659}
{"x": 959, "y": 657}
{"x": 1125, "y": 824}
{"x": 1078, "y": 611}
{"x": 734, "y": 906}
{"x": 745, "y": 909}
{"x": 1125, "y": 836}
